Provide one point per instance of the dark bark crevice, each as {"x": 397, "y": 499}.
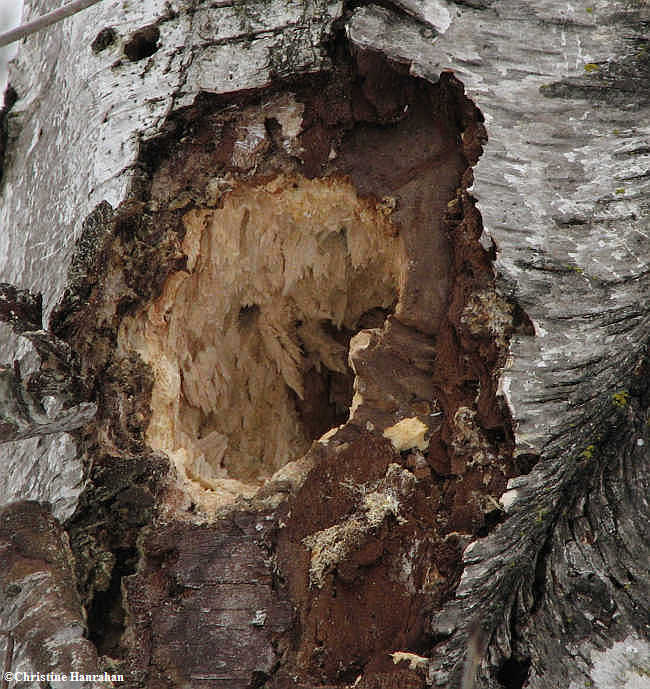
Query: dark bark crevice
{"x": 588, "y": 588}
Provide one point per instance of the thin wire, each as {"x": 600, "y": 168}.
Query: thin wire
{"x": 48, "y": 19}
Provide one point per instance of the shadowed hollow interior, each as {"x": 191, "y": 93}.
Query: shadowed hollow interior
{"x": 248, "y": 345}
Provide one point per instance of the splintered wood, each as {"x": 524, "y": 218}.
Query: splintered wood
{"x": 271, "y": 274}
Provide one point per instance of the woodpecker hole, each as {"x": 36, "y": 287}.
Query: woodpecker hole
{"x": 249, "y": 345}
{"x": 143, "y": 43}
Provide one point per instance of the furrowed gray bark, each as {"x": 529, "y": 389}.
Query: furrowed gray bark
{"x": 479, "y": 516}
{"x": 563, "y": 191}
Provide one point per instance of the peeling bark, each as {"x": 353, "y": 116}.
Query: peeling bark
{"x": 346, "y": 315}
{"x": 42, "y": 614}
{"x": 22, "y": 411}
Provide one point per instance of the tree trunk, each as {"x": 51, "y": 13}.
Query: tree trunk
{"x": 329, "y": 329}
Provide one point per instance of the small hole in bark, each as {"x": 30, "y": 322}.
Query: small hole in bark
{"x": 105, "y": 38}
{"x": 514, "y": 673}
{"x": 143, "y": 43}
{"x": 106, "y": 614}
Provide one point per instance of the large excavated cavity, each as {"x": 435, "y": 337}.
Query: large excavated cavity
{"x": 248, "y": 345}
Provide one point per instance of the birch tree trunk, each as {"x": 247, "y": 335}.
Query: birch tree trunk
{"x": 325, "y": 346}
